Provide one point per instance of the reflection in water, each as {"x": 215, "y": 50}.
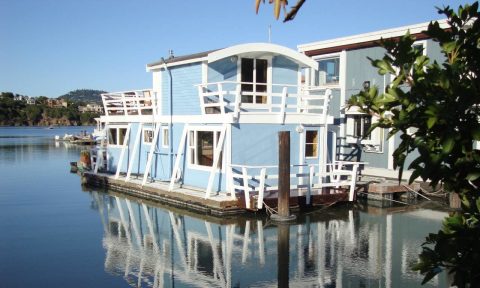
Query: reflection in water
{"x": 156, "y": 247}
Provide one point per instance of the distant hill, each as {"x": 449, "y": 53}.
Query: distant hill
{"x": 85, "y": 95}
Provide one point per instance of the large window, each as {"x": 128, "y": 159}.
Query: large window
{"x": 329, "y": 71}
{"x": 254, "y": 80}
{"x": 311, "y": 143}
{"x": 202, "y": 147}
{"x": 116, "y": 135}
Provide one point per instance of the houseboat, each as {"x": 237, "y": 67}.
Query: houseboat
{"x": 209, "y": 127}
{"x": 345, "y": 69}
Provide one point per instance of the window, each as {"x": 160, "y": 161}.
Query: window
{"x": 165, "y": 137}
{"x": 329, "y": 71}
{"x": 202, "y": 147}
{"x": 116, "y": 135}
{"x": 361, "y": 124}
{"x": 147, "y": 135}
{"x": 311, "y": 143}
{"x": 254, "y": 80}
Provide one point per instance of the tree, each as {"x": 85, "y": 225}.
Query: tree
{"x": 33, "y": 113}
{"x": 442, "y": 103}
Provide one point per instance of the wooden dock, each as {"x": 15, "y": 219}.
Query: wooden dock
{"x": 194, "y": 199}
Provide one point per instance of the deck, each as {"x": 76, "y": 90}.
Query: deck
{"x": 194, "y": 199}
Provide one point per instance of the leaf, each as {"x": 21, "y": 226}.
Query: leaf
{"x": 383, "y": 66}
{"x": 257, "y": 5}
{"x": 276, "y": 9}
{"x": 472, "y": 176}
{"x": 448, "y": 144}
{"x": 431, "y": 121}
{"x": 448, "y": 47}
{"x": 430, "y": 274}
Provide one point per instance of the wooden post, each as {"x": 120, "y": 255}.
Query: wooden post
{"x": 283, "y": 178}
{"x": 283, "y": 173}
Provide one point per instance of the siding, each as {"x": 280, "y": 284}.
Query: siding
{"x": 185, "y": 93}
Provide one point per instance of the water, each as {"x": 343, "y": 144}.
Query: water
{"x": 54, "y": 234}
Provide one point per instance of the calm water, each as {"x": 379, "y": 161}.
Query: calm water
{"x": 54, "y": 234}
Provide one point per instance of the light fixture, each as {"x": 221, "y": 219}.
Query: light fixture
{"x": 366, "y": 85}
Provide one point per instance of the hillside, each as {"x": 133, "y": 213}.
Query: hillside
{"x": 83, "y": 95}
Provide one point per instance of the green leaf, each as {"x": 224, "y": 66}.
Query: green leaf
{"x": 472, "y": 176}
{"x": 431, "y": 121}
{"x": 448, "y": 47}
{"x": 430, "y": 274}
{"x": 448, "y": 144}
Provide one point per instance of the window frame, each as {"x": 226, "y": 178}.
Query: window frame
{"x": 165, "y": 140}
{"x": 254, "y": 82}
{"x": 324, "y": 57}
{"x": 311, "y": 143}
{"x": 192, "y": 145}
{"x": 117, "y": 128}
{"x": 143, "y": 135}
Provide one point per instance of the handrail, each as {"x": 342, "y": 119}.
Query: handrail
{"x": 224, "y": 97}
{"x": 313, "y": 177}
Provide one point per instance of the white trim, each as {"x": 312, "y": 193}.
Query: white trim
{"x": 247, "y": 118}
{"x": 117, "y": 127}
{"x": 195, "y": 129}
{"x": 372, "y": 36}
{"x": 343, "y": 96}
{"x": 391, "y": 148}
{"x": 314, "y": 129}
{"x": 204, "y": 72}
{"x": 237, "y": 50}
{"x": 178, "y": 63}
{"x": 322, "y": 57}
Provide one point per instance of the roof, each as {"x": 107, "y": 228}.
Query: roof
{"x": 365, "y": 40}
{"x": 182, "y": 58}
{"x": 249, "y": 50}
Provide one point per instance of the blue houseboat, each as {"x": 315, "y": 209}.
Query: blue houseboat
{"x": 208, "y": 127}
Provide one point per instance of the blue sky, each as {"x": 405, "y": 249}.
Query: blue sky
{"x": 50, "y": 47}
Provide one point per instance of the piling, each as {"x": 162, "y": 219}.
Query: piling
{"x": 283, "y": 178}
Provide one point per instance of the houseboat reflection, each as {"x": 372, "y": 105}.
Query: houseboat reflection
{"x": 154, "y": 246}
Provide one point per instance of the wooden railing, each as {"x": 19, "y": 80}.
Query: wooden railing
{"x": 256, "y": 181}
{"x": 139, "y": 102}
{"x": 228, "y": 97}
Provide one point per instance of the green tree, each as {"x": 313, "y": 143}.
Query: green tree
{"x": 442, "y": 104}
{"x": 33, "y": 113}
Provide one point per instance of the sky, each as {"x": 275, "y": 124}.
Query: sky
{"x": 50, "y": 47}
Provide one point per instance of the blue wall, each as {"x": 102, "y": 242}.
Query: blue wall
{"x": 185, "y": 93}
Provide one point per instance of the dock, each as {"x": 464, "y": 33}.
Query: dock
{"x": 195, "y": 200}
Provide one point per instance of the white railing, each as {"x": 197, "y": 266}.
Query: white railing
{"x": 229, "y": 97}
{"x": 257, "y": 181}
{"x": 139, "y": 102}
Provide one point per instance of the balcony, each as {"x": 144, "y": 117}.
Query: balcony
{"x": 244, "y": 97}
{"x": 139, "y": 102}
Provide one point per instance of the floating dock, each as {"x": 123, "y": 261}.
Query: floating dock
{"x": 194, "y": 199}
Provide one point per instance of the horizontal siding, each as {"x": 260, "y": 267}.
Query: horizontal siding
{"x": 185, "y": 93}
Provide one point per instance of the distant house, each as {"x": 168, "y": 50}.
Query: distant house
{"x": 20, "y": 98}
{"x": 31, "y": 100}
{"x": 56, "y": 103}
{"x": 91, "y": 107}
